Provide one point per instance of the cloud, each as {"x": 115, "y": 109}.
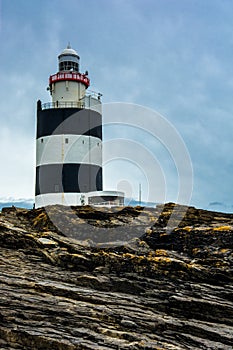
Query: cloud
{"x": 146, "y": 148}
{"x": 20, "y": 202}
{"x": 17, "y": 159}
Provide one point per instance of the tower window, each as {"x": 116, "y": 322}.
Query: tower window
{"x": 66, "y": 140}
{"x": 68, "y": 65}
{"x": 42, "y": 140}
{"x": 83, "y": 142}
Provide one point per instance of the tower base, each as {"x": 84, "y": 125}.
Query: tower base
{"x": 97, "y": 198}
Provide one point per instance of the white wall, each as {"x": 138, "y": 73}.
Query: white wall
{"x": 68, "y": 91}
{"x": 80, "y": 149}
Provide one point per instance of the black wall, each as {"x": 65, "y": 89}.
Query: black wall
{"x": 74, "y": 121}
{"x": 55, "y": 178}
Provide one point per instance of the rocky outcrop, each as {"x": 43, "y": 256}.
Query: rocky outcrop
{"x": 136, "y": 278}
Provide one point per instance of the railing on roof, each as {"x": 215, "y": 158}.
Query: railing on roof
{"x": 92, "y": 100}
{"x": 73, "y": 76}
{"x": 107, "y": 204}
{"x": 61, "y": 104}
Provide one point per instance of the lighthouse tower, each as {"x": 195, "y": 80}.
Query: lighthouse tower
{"x": 69, "y": 137}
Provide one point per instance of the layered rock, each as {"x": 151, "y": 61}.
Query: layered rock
{"x": 137, "y": 278}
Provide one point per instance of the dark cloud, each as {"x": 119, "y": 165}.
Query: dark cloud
{"x": 173, "y": 56}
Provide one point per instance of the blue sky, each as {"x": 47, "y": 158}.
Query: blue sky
{"x": 171, "y": 56}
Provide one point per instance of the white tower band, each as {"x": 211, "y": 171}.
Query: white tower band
{"x": 69, "y": 140}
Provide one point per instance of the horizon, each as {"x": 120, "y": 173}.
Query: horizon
{"x": 132, "y": 202}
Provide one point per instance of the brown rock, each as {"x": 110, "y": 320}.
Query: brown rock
{"x": 169, "y": 289}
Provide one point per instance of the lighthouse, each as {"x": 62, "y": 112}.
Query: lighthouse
{"x": 68, "y": 137}
{"x": 69, "y": 141}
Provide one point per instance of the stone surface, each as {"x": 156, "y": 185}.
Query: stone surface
{"x": 165, "y": 282}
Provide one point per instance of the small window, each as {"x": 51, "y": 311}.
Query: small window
{"x": 83, "y": 142}
{"x": 98, "y": 143}
{"x": 66, "y": 140}
{"x": 42, "y": 140}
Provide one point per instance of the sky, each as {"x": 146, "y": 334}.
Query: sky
{"x": 168, "y": 58}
